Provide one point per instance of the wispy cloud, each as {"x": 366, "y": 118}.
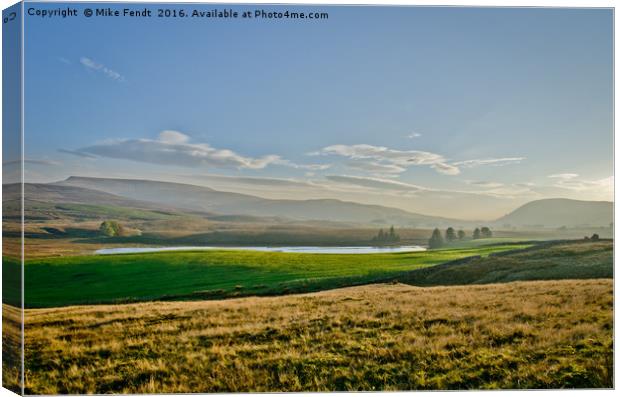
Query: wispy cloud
{"x": 380, "y": 155}
{"x": 375, "y": 167}
{"x": 563, "y": 176}
{"x": 99, "y": 67}
{"x": 485, "y": 184}
{"x": 495, "y": 162}
{"x": 489, "y": 189}
{"x": 311, "y": 167}
{"x": 174, "y": 148}
{"x": 31, "y": 161}
{"x": 377, "y": 183}
{"x": 380, "y": 159}
{"x": 77, "y": 153}
{"x": 414, "y": 135}
{"x": 572, "y": 181}
{"x": 254, "y": 181}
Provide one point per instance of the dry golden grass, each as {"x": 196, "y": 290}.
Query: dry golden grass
{"x": 540, "y": 334}
{"x": 11, "y": 347}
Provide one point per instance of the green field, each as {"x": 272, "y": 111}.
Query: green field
{"x": 545, "y": 261}
{"x": 93, "y": 279}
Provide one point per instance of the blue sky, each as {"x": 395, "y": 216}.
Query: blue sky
{"x": 463, "y": 112}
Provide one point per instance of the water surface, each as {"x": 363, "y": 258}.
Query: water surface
{"x": 305, "y": 250}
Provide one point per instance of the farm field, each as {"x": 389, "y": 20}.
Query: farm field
{"x": 536, "y": 334}
{"x": 74, "y": 280}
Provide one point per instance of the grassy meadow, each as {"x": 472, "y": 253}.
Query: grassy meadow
{"x": 537, "y": 334}
{"x": 158, "y": 322}
{"x": 73, "y": 280}
{"x": 545, "y": 261}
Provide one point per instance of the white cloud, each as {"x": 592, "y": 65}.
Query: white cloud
{"x": 376, "y": 183}
{"x": 495, "y": 162}
{"x": 312, "y": 167}
{"x": 174, "y": 148}
{"x": 414, "y": 135}
{"x": 181, "y": 154}
{"x": 446, "y": 168}
{"x": 396, "y": 161}
{"x": 563, "y": 176}
{"x": 489, "y": 189}
{"x": 380, "y": 155}
{"x": 173, "y": 137}
{"x": 572, "y": 182}
{"x": 485, "y": 184}
{"x": 254, "y": 181}
{"x": 92, "y": 65}
{"x": 375, "y": 167}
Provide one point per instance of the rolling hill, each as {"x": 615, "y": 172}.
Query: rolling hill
{"x": 198, "y": 198}
{"x": 560, "y": 212}
{"x": 48, "y": 201}
{"x": 185, "y": 198}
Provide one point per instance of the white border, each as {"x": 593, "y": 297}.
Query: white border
{"x": 481, "y": 3}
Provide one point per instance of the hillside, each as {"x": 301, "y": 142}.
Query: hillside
{"x": 546, "y": 261}
{"x": 44, "y": 202}
{"x": 51, "y": 193}
{"x": 524, "y": 335}
{"x": 560, "y": 212}
{"x": 200, "y": 198}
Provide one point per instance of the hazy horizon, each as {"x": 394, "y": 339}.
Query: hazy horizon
{"x": 457, "y": 112}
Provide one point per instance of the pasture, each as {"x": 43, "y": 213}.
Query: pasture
{"x": 79, "y": 280}
{"x": 521, "y": 335}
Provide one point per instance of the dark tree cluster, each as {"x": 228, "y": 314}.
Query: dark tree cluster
{"x": 389, "y": 236}
{"x": 111, "y": 229}
{"x": 437, "y": 240}
{"x": 483, "y": 232}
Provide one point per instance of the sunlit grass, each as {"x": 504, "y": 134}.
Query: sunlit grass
{"x": 214, "y": 274}
{"x": 542, "y": 334}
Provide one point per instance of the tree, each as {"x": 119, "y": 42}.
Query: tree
{"x": 461, "y": 234}
{"x": 486, "y": 232}
{"x": 450, "y": 234}
{"x": 436, "y": 241}
{"x": 476, "y": 234}
{"x": 111, "y": 229}
{"x": 386, "y": 237}
{"x": 594, "y": 237}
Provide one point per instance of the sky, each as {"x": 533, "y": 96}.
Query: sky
{"x": 457, "y": 112}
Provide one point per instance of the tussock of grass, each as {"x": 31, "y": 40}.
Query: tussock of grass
{"x": 542, "y": 334}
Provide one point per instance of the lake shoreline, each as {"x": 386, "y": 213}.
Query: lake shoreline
{"x": 352, "y": 250}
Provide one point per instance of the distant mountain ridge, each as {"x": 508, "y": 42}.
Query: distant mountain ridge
{"x": 560, "y": 212}
{"x": 169, "y": 196}
{"x": 198, "y": 198}
{"x": 51, "y": 193}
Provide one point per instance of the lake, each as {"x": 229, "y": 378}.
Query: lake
{"x": 305, "y": 250}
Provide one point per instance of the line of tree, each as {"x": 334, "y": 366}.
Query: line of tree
{"x": 483, "y": 232}
{"x": 437, "y": 240}
{"x": 389, "y": 236}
